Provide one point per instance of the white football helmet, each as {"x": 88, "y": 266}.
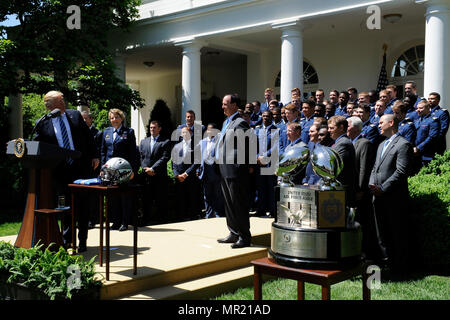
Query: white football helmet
{"x": 115, "y": 171}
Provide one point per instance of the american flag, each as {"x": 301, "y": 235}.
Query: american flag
{"x": 382, "y": 78}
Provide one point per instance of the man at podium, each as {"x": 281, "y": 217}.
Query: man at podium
{"x": 69, "y": 131}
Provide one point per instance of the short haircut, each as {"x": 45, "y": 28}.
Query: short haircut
{"x": 391, "y": 117}
{"x": 352, "y": 89}
{"x": 425, "y": 103}
{"x": 234, "y": 98}
{"x": 117, "y": 111}
{"x": 157, "y": 122}
{"x": 365, "y": 107}
{"x": 345, "y": 93}
{"x": 268, "y": 89}
{"x": 291, "y": 107}
{"x": 339, "y": 121}
{"x": 86, "y": 113}
{"x": 295, "y": 125}
{"x": 356, "y": 122}
{"x": 412, "y": 83}
{"x": 191, "y": 112}
{"x": 310, "y": 103}
{"x": 391, "y": 86}
{"x": 400, "y": 106}
{"x": 257, "y": 103}
{"x": 50, "y": 97}
{"x": 435, "y": 94}
{"x": 212, "y": 124}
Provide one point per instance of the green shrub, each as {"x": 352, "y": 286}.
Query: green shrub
{"x": 429, "y": 219}
{"x": 47, "y": 271}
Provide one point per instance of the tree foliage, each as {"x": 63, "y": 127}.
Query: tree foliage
{"x": 43, "y": 53}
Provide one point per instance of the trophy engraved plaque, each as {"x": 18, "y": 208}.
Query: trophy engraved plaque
{"x": 312, "y": 227}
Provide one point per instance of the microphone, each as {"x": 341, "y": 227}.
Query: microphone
{"x": 52, "y": 114}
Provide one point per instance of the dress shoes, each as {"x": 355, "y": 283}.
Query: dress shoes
{"x": 231, "y": 238}
{"x": 241, "y": 243}
{"x": 82, "y": 247}
{"x": 123, "y": 228}
{"x": 115, "y": 226}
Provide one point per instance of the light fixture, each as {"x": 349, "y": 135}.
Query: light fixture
{"x": 149, "y": 63}
{"x": 392, "y": 17}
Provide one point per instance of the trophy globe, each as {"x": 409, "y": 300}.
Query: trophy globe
{"x": 291, "y": 163}
{"x": 327, "y": 164}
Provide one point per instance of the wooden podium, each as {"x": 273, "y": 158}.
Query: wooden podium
{"x": 39, "y": 158}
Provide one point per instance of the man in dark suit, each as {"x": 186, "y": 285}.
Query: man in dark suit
{"x": 364, "y": 160}
{"x": 232, "y": 159}
{"x": 185, "y": 162}
{"x": 196, "y": 129}
{"x": 389, "y": 186}
{"x": 337, "y": 126}
{"x": 154, "y": 155}
{"x": 210, "y": 178}
{"x": 69, "y": 131}
{"x": 93, "y": 198}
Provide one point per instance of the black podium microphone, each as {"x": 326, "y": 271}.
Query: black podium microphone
{"x": 52, "y": 114}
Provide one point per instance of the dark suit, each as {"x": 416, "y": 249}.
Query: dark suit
{"x": 364, "y": 160}
{"x": 391, "y": 172}
{"x": 348, "y": 177}
{"x": 210, "y": 179}
{"x": 123, "y": 146}
{"x": 66, "y": 173}
{"x": 188, "y": 192}
{"x": 235, "y": 179}
{"x": 156, "y": 187}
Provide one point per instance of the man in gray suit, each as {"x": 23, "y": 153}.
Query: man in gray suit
{"x": 389, "y": 185}
{"x": 232, "y": 159}
{"x": 337, "y": 126}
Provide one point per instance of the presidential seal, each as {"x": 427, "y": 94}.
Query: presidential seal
{"x": 19, "y": 147}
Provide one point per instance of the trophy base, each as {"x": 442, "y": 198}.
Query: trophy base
{"x": 316, "y": 248}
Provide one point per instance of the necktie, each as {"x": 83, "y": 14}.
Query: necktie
{"x": 116, "y": 132}
{"x": 65, "y": 138}
{"x": 225, "y": 125}
{"x": 385, "y": 147}
{"x": 152, "y": 144}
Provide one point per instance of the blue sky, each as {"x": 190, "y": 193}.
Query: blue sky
{"x": 11, "y": 21}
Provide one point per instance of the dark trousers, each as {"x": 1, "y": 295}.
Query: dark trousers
{"x": 391, "y": 226}
{"x": 212, "y": 193}
{"x": 235, "y": 192}
{"x": 266, "y": 194}
{"x": 121, "y": 208}
{"x": 155, "y": 192}
{"x": 188, "y": 199}
{"x": 365, "y": 217}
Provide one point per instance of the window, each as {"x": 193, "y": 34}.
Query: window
{"x": 410, "y": 62}
{"x": 309, "y": 75}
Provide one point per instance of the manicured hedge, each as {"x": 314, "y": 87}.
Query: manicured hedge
{"x": 430, "y": 214}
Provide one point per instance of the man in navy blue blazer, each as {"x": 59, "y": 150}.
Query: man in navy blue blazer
{"x": 154, "y": 155}
{"x": 208, "y": 175}
{"x": 185, "y": 162}
{"x": 197, "y": 130}
{"x": 69, "y": 131}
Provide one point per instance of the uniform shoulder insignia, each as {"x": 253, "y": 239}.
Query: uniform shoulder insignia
{"x": 372, "y": 125}
{"x": 302, "y": 119}
{"x": 435, "y": 118}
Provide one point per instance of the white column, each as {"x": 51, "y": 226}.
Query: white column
{"x": 191, "y": 78}
{"x": 437, "y": 51}
{"x": 291, "y": 58}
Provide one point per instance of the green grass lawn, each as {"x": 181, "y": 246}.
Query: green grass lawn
{"x": 410, "y": 287}
{"x": 418, "y": 287}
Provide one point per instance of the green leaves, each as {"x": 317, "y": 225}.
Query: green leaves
{"x": 430, "y": 194}
{"x": 46, "y": 270}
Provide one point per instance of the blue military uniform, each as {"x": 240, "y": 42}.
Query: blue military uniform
{"x": 265, "y": 183}
{"x": 305, "y": 125}
{"x": 427, "y": 135}
{"x": 443, "y": 116}
{"x": 370, "y": 132}
{"x": 341, "y": 111}
{"x": 407, "y": 130}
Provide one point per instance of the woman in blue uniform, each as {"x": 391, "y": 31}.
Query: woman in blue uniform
{"x": 119, "y": 141}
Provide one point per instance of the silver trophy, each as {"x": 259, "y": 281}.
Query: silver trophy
{"x": 291, "y": 163}
{"x": 327, "y": 164}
